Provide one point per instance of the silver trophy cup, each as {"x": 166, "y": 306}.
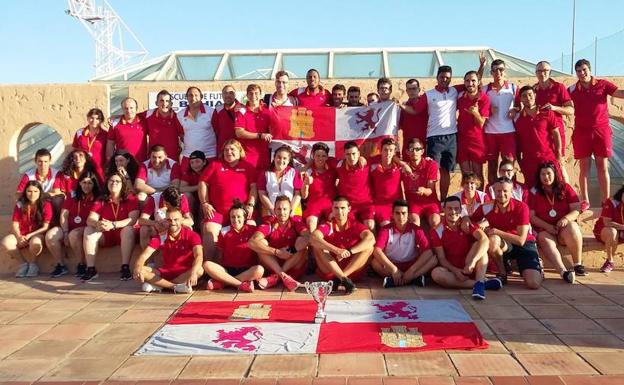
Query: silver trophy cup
{"x": 319, "y": 292}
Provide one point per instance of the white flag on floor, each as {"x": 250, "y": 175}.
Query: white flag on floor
{"x": 396, "y": 311}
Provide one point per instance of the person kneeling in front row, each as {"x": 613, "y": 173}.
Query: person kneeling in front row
{"x": 182, "y": 256}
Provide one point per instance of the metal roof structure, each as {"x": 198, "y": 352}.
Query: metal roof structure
{"x": 337, "y": 63}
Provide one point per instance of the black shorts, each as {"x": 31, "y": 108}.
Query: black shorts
{"x": 526, "y": 256}
{"x": 443, "y": 149}
{"x": 234, "y": 271}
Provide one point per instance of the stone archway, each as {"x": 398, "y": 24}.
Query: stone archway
{"x": 34, "y": 136}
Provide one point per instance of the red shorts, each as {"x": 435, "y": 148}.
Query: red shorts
{"x": 424, "y": 209}
{"x": 363, "y": 211}
{"x": 404, "y": 266}
{"x": 500, "y": 144}
{"x": 113, "y": 237}
{"x": 383, "y": 212}
{"x": 172, "y": 272}
{"x": 471, "y": 150}
{"x": 219, "y": 219}
{"x": 355, "y": 276}
{"x": 319, "y": 208}
{"x": 588, "y": 142}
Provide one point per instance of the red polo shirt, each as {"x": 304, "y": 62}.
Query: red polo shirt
{"x": 414, "y": 126}
{"x": 534, "y": 133}
{"x": 542, "y": 205}
{"x": 164, "y": 130}
{"x": 305, "y": 98}
{"x": 591, "y": 111}
{"x": 345, "y": 239}
{"x": 233, "y": 245}
{"x": 223, "y": 120}
{"x": 280, "y": 236}
{"x": 108, "y": 210}
{"x": 455, "y": 243}
{"x": 354, "y": 183}
{"x": 93, "y": 145}
{"x": 77, "y": 209}
{"x": 131, "y": 136}
{"x": 225, "y": 183}
{"x": 28, "y": 220}
{"x": 386, "y": 183}
{"x": 421, "y": 175}
{"x": 177, "y": 252}
{"x": 517, "y": 214}
{"x": 256, "y": 150}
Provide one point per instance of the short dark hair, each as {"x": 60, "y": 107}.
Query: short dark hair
{"x": 412, "y": 81}
{"x": 281, "y": 73}
{"x": 580, "y": 63}
{"x": 313, "y": 70}
{"x": 388, "y": 141}
{"x": 471, "y": 72}
{"x": 282, "y": 198}
{"x": 400, "y": 203}
{"x": 194, "y": 88}
{"x": 163, "y": 92}
{"x": 157, "y": 147}
{"x": 339, "y": 87}
{"x": 96, "y": 111}
{"x": 384, "y": 80}
{"x": 618, "y": 194}
{"x": 471, "y": 177}
{"x": 503, "y": 179}
{"x": 341, "y": 198}
{"x": 43, "y": 152}
{"x": 238, "y": 205}
{"x": 497, "y": 62}
{"x": 353, "y": 89}
{"x": 451, "y": 198}
{"x": 444, "y": 68}
{"x": 320, "y": 146}
{"x": 350, "y": 144}
{"x": 525, "y": 89}
{"x": 172, "y": 196}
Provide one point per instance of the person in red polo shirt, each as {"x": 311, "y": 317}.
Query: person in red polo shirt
{"x": 111, "y": 223}
{"x": 470, "y": 196}
{"x": 189, "y": 181}
{"x": 182, "y": 258}
{"x": 128, "y": 132}
{"x": 49, "y": 177}
{"x": 74, "y": 164}
{"x": 314, "y": 95}
{"x": 420, "y": 186}
{"x": 92, "y": 138}
{"x": 224, "y": 116}
{"x": 31, "y": 219}
{"x": 462, "y": 254}
{"x": 554, "y": 209}
{"x": 342, "y": 247}
{"x": 199, "y": 134}
{"x": 413, "y": 125}
{"x": 402, "y": 254}
{"x": 163, "y": 126}
{"x": 73, "y": 219}
{"x": 238, "y": 263}
{"x": 224, "y": 180}
{"x": 507, "y": 224}
{"x": 153, "y": 219}
{"x": 319, "y": 186}
{"x": 252, "y": 128}
{"x": 592, "y": 133}
{"x": 385, "y": 176}
{"x": 609, "y": 228}
{"x": 537, "y": 134}
{"x": 156, "y": 174}
{"x": 354, "y": 184}
{"x": 282, "y": 246}
{"x": 473, "y": 107}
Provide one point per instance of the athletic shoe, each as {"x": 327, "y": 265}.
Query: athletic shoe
{"x": 214, "y": 285}
{"x": 59, "y": 271}
{"x": 607, "y": 267}
{"x": 22, "y": 270}
{"x": 335, "y": 283}
{"x": 125, "y": 274}
{"x": 478, "y": 290}
{"x": 182, "y": 288}
{"x": 33, "y": 270}
{"x": 90, "y": 274}
{"x": 290, "y": 283}
{"x": 148, "y": 288}
{"x": 388, "y": 282}
{"x": 348, "y": 285}
{"x": 420, "y": 281}
{"x": 584, "y": 206}
{"x": 493, "y": 284}
{"x": 508, "y": 266}
{"x": 568, "y": 276}
{"x": 246, "y": 286}
{"x": 272, "y": 280}
{"x": 502, "y": 278}
{"x": 580, "y": 270}
{"x": 81, "y": 269}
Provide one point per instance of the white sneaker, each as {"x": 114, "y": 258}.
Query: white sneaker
{"x": 148, "y": 288}
{"x": 182, "y": 288}
{"x": 22, "y": 270}
{"x": 33, "y": 270}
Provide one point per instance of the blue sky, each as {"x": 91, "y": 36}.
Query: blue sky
{"x": 42, "y": 44}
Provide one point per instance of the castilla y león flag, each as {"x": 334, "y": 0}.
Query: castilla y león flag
{"x": 301, "y": 127}
{"x": 287, "y": 327}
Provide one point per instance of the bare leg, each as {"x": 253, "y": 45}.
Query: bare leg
{"x": 584, "y": 165}
{"x": 609, "y": 236}
{"x": 532, "y": 278}
{"x": 75, "y": 242}
{"x": 210, "y": 234}
{"x": 445, "y": 278}
{"x": 127, "y": 244}
{"x": 573, "y": 240}
{"x": 445, "y": 182}
{"x": 604, "y": 180}
{"x": 423, "y": 264}
{"x": 54, "y": 242}
{"x": 312, "y": 223}
{"x": 9, "y": 244}
{"x": 90, "y": 240}
{"x": 219, "y": 273}
{"x": 327, "y": 264}
{"x": 358, "y": 261}
{"x": 35, "y": 247}
{"x": 548, "y": 244}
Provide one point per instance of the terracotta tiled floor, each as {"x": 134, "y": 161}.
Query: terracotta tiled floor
{"x": 57, "y": 331}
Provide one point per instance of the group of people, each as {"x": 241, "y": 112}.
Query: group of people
{"x": 202, "y": 186}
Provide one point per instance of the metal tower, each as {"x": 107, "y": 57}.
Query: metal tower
{"x": 108, "y": 31}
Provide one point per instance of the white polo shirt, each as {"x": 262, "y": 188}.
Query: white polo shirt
{"x": 442, "y": 109}
{"x": 198, "y": 132}
{"x": 501, "y": 102}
